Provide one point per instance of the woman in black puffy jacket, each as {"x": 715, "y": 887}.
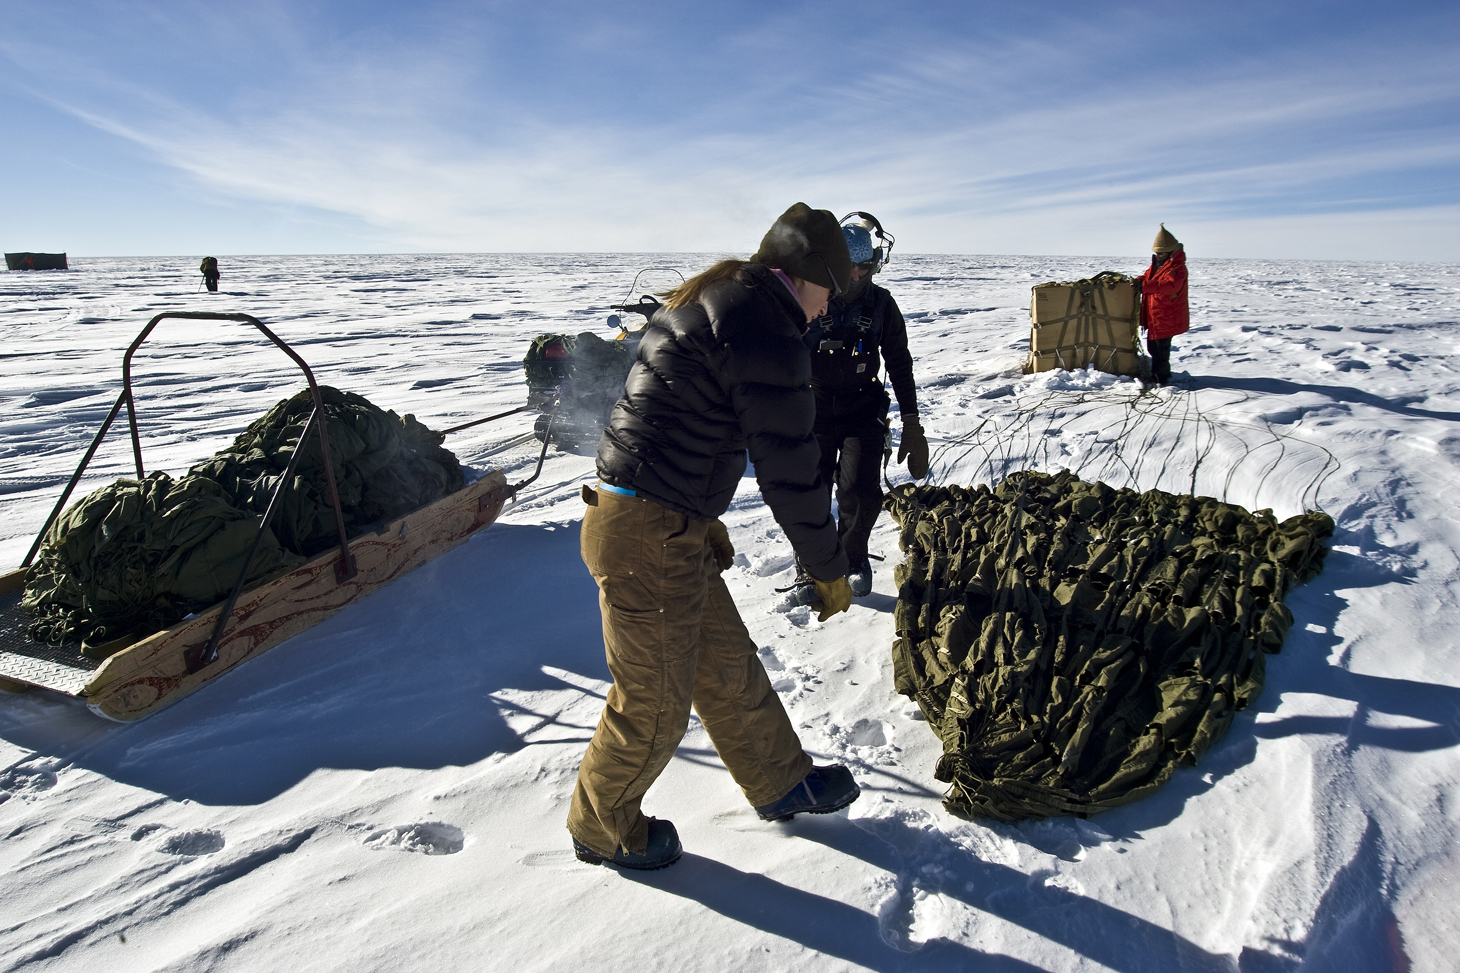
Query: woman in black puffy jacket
{"x": 721, "y": 371}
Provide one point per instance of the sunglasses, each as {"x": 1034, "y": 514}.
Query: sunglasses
{"x": 836, "y": 289}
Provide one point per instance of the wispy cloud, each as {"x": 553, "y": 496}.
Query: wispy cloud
{"x": 446, "y": 138}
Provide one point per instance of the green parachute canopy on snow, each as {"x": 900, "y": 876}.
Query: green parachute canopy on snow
{"x": 138, "y": 556}
{"x": 1072, "y": 644}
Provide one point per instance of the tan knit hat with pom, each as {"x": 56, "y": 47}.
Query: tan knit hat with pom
{"x": 1165, "y": 242}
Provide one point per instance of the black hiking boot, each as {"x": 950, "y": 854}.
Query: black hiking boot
{"x": 662, "y": 850}
{"x": 860, "y": 578}
{"x": 822, "y": 791}
{"x": 801, "y": 592}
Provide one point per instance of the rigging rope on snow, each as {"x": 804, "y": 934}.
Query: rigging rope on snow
{"x": 1005, "y": 442}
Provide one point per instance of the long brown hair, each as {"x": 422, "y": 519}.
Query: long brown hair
{"x": 689, "y": 292}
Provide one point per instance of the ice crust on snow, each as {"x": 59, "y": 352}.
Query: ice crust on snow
{"x": 296, "y": 810}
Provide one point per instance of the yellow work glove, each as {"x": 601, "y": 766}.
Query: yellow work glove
{"x": 720, "y": 547}
{"x": 913, "y": 448}
{"x": 836, "y": 596}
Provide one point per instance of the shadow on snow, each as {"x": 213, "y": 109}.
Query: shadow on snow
{"x": 399, "y": 679}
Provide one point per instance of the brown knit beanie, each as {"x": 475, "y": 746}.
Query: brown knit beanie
{"x": 808, "y": 243}
{"x": 1165, "y": 242}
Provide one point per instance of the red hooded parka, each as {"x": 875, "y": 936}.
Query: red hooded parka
{"x": 1164, "y": 311}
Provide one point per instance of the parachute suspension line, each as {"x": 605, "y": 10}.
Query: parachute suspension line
{"x": 1001, "y": 443}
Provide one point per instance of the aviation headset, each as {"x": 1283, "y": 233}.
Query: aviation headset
{"x": 882, "y": 253}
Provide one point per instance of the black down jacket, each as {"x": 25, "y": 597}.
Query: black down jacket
{"x": 711, "y": 380}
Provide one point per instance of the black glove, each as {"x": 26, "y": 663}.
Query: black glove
{"x": 913, "y": 448}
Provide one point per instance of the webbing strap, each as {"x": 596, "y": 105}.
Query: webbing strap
{"x": 864, "y": 323}
{"x": 1085, "y": 307}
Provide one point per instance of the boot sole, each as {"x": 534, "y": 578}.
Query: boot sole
{"x": 817, "y": 810}
{"x": 590, "y": 857}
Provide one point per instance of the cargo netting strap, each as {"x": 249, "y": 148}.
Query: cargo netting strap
{"x": 1073, "y": 644}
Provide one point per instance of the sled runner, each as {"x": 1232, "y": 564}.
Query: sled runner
{"x": 141, "y": 673}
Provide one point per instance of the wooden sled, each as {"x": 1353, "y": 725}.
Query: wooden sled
{"x": 145, "y": 674}
{"x": 154, "y": 672}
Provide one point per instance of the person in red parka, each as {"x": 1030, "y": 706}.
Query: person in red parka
{"x": 1164, "y": 309}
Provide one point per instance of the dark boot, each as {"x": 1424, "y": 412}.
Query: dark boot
{"x": 662, "y": 850}
{"x": 822, "y": 791}
{"x": 860, "y": 578}
{"x": 801, "y": 592}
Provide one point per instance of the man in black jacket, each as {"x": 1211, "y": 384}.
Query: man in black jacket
{"x": 721, "y": 370}
{"x": 209, "y": 270}
{"x": 860, "y": 330}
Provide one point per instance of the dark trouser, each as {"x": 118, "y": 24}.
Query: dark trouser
{"x": 673, "y": 637}
{"x": 212, "y": 281}
{"x": 851, "y": 429}
{"x": 1160, "y": 351}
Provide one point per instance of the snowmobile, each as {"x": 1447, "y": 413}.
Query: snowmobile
{"x": 143, "y": 672}
{"x": 575, "y": 380}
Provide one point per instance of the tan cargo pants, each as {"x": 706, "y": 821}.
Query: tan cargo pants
{"x": 673, "y": 636}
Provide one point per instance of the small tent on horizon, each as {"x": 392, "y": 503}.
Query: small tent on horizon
{"x": 36, "y": 261}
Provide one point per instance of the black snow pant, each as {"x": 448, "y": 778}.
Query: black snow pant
{"x": 851, "y": 429}
{"x": 211, "y": 280}
{"x": 1160, "y": 352}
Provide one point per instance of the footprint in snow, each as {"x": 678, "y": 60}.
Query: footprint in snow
{"x": 192, "y": 843}
{"x": 91, "y": 826}
{"x": 558, "y": 861}
{"x": 23, "y": 781}
{"x": 799, "y": 616}
{"x": 741, "y": 819}
{"x": 1054, "y": 880}
{"x": 427, "y": 838}
{"x": 868, "y": 733}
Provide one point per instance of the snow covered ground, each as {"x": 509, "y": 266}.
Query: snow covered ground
{"x": 387, "y": 791}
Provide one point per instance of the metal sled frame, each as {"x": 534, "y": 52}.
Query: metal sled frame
{"x": 146, "y": 674}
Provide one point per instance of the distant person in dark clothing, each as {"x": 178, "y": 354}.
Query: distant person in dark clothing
{"x": 1164, "y": 309}
{"x": 209, "y": 267}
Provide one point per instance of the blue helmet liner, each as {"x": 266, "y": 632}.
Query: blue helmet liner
{"x": 859, "y": 242}
{"x": 858, "y": 227}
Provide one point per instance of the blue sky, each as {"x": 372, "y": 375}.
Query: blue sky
{"x": 1313, "y": 130}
